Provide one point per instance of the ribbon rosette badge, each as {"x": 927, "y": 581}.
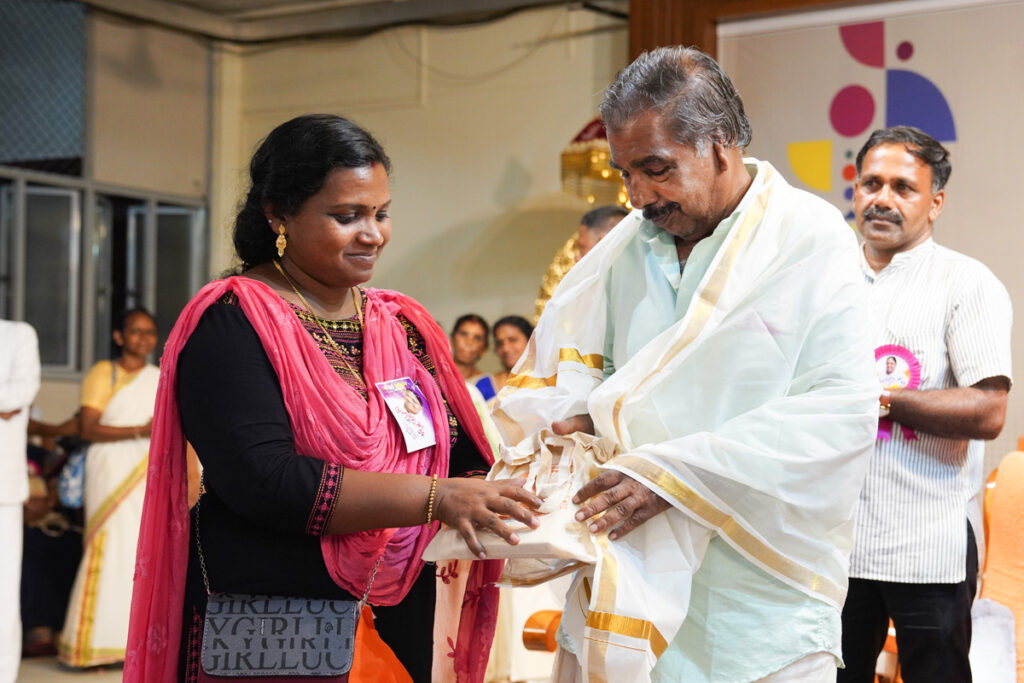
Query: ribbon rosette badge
{"x": 897, "y": 368}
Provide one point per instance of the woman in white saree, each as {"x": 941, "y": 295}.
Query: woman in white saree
{"x": 116, "y": 414}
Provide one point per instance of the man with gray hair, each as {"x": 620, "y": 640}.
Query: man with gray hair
{"x": 715, "y": 343}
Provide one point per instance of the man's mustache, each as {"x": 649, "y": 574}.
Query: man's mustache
{"x": 891, "y": 215}
{"x": 652, "y": 213}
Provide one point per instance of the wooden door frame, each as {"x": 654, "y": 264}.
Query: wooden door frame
{"x": 653, "y": 23}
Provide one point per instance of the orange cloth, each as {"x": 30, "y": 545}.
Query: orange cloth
{"x": 1004, "y": 575}
{"x": 374, "y": 661}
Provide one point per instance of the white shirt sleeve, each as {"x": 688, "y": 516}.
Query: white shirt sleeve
{"x": 978, "y": 335}
{"x": 19, "y": 370}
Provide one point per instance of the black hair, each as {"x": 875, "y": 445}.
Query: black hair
{"x": 600, "y": 219}
{"x": 515, "y": 321}
{"x": 120, "y": 324}
{"x": 472, "y": 318}
{"x": 290, "y": 166}
{"x": 121, "y": 319}
{"x": 917, "y": 142}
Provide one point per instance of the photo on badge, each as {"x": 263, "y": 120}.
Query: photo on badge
{"x": 412, "y": 412}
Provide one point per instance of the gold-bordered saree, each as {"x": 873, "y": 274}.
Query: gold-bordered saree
{"x": 96, "y": 626}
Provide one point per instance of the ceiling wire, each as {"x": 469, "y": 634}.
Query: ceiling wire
{"x": 331, "y": 34}
{"x": 482, "y": 75}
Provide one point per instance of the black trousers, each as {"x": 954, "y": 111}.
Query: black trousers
{"x": 932, "y": 622}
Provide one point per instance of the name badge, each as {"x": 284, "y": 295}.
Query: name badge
{"x": 411, "y": 410}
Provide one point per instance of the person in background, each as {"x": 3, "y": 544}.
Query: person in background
{"x": 52, "y": 543}
{"x": 511, "y": 334}
{"x": 311, "y": 491}
{"x": 116, "y": 415}
{"x": 19, "y": 383}
{"x": 915, "y": 557}
{"x": 594, "y": 225}
{"x": 469, "y": 342}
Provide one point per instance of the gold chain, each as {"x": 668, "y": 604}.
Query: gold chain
{"x": 323, "y": 328}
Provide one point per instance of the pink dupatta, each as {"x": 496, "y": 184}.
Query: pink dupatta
{"x": 329, "y": 420}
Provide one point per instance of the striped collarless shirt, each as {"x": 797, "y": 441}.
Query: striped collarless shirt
{"x": 952, "y": 313}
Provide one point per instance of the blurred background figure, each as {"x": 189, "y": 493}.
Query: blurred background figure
{"x": 52, "y": 535}
{"x": 116, "y": 414}
{"x": 469, "y": 341}
{"x": 511, "y": 334}
{"x": 594, "y": 225}
{"x": 19, "y": 383}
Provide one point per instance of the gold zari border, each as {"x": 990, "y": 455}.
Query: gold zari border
{"x": 592, "y": 361}
{"x": 728, "y": 527}
{"x": 707, "y": 298}
{"x": 630, "y": 627}
{"x": 109, "y": 505}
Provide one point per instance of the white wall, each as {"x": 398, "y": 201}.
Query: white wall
{"x": 148, "y": 111}
{"x": 474, "y": 119}
{"x": 148, "y": 92}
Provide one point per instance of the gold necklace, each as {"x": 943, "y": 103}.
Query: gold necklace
{"x": 323, "y": 328}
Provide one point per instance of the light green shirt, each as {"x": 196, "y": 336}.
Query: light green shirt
{"x": 743, "y": 623}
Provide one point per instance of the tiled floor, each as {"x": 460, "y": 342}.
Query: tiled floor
{"x": 47, "y": 670}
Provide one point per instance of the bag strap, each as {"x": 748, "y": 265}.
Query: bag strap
{"x": 202, "y": 560}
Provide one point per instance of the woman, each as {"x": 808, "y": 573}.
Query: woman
{"x": 511, "y": 334}
{"x": 469, "y": 341}
{"x": 116, "y": 414}
{"x": 310, "y": 491}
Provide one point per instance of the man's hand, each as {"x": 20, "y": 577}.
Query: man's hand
{"x": 626, "y": 503}
{"x": 576, "y": 423}
{"x": 9, "y": 414}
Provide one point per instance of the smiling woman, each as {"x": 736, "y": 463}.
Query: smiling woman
{"x": 116, "y": 415}
{"x": 311, "y": 488}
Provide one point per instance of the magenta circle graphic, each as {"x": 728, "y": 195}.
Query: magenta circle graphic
{"x": 905, "y": 50}
{"x": 852, "y": 110}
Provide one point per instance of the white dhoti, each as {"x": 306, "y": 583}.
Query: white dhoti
{"x": 11, "y": 531}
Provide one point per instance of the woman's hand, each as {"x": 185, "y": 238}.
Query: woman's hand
{"x": 92, "y": 430}
{"x": 468, "y": 505}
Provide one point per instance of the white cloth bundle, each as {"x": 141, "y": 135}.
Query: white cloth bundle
{"x": 555, "y": 468}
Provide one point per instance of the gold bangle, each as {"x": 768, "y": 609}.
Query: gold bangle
{"x": 430, "y": 500}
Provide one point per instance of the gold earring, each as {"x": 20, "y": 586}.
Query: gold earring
{"x": 282, "y": 242}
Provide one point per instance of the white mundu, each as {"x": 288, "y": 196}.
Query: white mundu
{"x": 744, "y": 393}
{"x": 19, "y": 382}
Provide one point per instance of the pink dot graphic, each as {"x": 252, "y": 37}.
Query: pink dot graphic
{"x": 905, "y": 50}
{"x": 852, "y": 110}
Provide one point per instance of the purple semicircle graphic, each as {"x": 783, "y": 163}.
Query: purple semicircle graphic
{"x": 913, "y": 100}
{"x": 865, "y": 42}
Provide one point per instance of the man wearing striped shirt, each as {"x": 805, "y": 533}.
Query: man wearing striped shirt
{"x": 915, "y": 557}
